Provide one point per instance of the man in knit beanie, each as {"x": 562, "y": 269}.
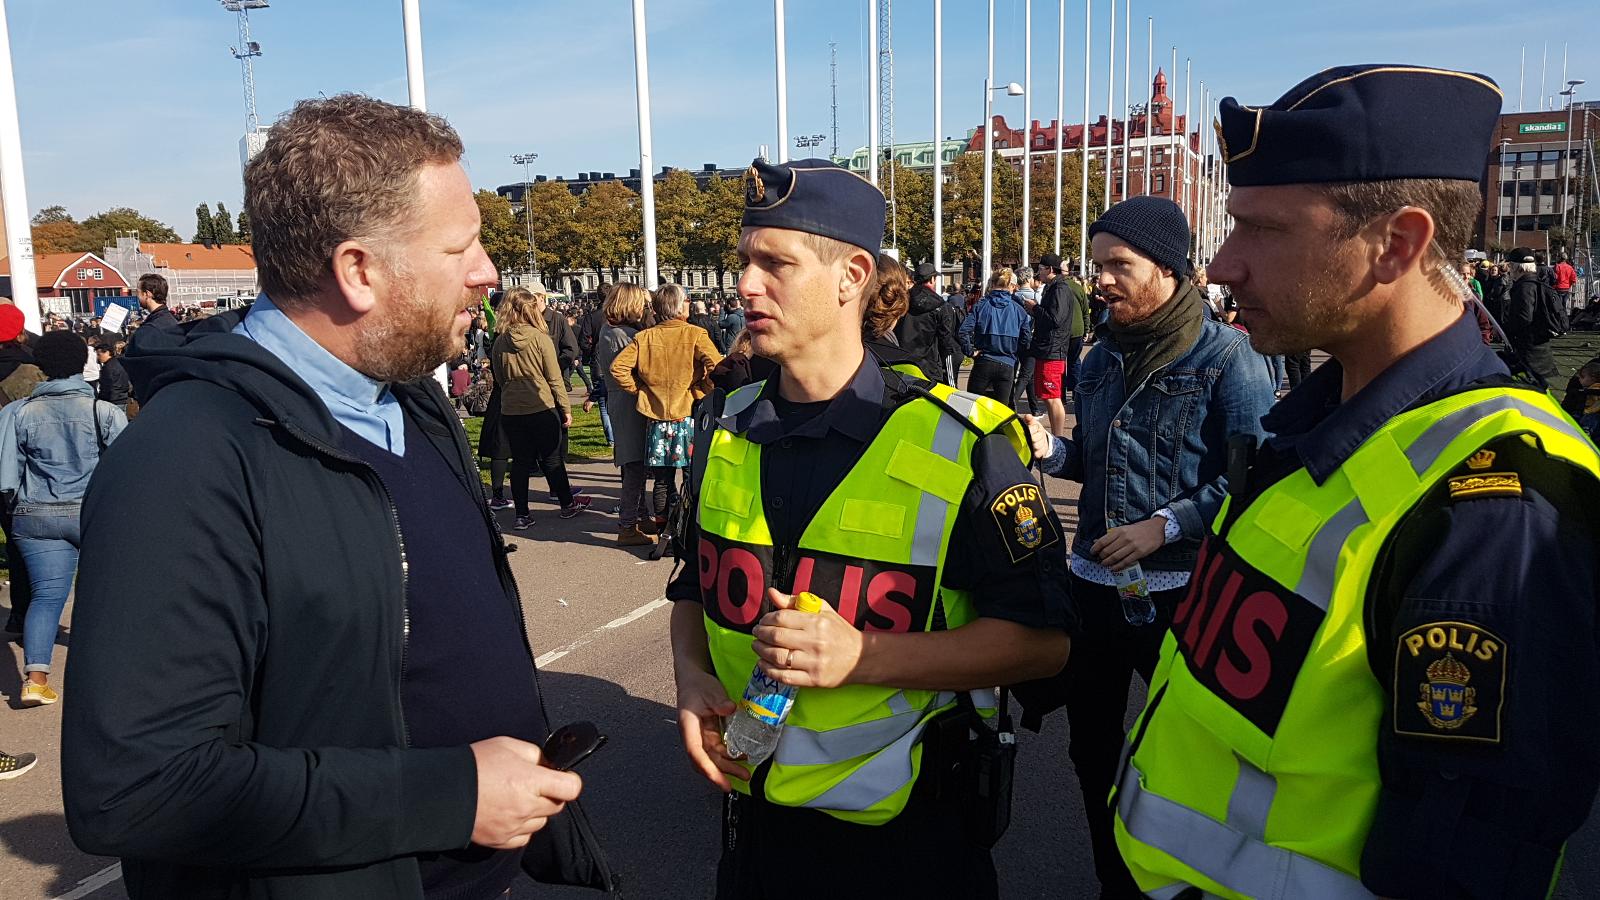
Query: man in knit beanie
{"x": 1157, "y": 398}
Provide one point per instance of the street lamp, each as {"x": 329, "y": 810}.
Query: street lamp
{"x": 1012, "y": 90}
{"x": 526, "y": 160}
{"x": 1566, "y": 157}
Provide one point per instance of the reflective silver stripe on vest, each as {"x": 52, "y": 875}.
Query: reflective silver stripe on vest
{"x": 880, "y": 776}
{"x": 739, "y": 401}
{"x": 1251, "y": 802}
{"x": 1227, "y": 856}
{"x": 931, "y": 512}
{"x": 803, "y": 747}
{"x": 1316, "y": 579}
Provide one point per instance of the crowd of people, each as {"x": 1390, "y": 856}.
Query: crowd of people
{"x": 1289, "y": 557}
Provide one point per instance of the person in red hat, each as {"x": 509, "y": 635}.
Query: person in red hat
{"x": 18, "y": 375}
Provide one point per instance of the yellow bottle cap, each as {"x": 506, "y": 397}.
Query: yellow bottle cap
{"x": 807, "y": 602}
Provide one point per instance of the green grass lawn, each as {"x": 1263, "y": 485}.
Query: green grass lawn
{"x": 585, "y": 442}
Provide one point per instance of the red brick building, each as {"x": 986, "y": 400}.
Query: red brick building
{"x": 1171, "y": 150}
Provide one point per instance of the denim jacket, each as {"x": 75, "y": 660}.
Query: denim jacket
{"x": 1165, "y": 444}
{"x": 50, "y": 443}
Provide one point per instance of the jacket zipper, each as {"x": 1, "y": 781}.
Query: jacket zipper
{"x": 405, "y": 563}
{"x": 1105, "y": 510}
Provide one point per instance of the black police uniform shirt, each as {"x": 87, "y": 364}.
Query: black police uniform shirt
{"x": 807, "y": 449}
{"x": 1504, "y": 587}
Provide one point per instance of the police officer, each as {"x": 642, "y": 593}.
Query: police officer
{"x": 908, "y": 508}
{"x": 1381, "y": 680}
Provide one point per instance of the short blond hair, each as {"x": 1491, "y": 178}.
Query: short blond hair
{"x": 1002, "y": 279}
{"x": 625, "y": 304}
{"x": 671, "y": 302}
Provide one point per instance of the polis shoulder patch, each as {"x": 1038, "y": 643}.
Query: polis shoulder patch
{"x": 1023, "y": 523}
{"x": 1450, "y": 682}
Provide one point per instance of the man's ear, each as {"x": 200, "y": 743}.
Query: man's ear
{"x": 1401, "y": 243}
{"x": 856, "y": 278}
{"x": 360, "y": 275}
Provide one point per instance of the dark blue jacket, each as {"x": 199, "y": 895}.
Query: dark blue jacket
{"x": 998, "y": 328}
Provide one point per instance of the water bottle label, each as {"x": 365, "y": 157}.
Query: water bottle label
{"x": 767, "y": 700}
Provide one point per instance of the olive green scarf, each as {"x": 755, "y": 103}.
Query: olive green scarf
{"x": 1160, "y": 338}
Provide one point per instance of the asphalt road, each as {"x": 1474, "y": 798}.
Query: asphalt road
{"x": 600, "y": 627}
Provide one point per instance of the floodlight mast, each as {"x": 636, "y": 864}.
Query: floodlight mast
{"x": 244, "y": 53}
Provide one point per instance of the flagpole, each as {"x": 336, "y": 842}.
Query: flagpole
{"x": 1027, "y": 127}
{"x": 938, "y": 139}
{"x": 1083, "y": 180}
{"x": 783, "y": 81}
{"x": 1127, "y": 93}
{"x": 872, "y": 91}
{"x": 1172, "y": 134}
{"x": 1149, "y": 79}
{"x": 988, "y": 159}
{"x": 1111, "y": 107}
{"x": 19, "y": 234}
{"x": 647, "y": 166}
{"x": 1061, "y": 110}
{"x": 415, "y": 84}
{"x": 1188, "y": 123}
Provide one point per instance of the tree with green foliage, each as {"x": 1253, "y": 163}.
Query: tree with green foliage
{"x": 504, "y": 237}
{"x": 222, "y": 226}
{"x": 102, "y": 229}
{"x": 680, "y": 212}
{"x": 205, "y": 228}
{"x": 244, "y": 226}
{"x": 910, "y": 213}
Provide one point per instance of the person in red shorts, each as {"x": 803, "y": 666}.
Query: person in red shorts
{"x": 1060, "y": 320}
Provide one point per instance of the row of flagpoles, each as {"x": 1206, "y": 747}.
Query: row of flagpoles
{"x": 1203, "y": 194}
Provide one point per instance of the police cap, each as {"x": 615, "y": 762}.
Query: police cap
{"x": 1363, "y": 123}
{"x": 815, "y": 196}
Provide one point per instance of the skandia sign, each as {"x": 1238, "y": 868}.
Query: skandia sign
{"x": 1542, "y": 128}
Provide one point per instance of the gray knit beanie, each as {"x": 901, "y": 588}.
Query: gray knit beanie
{"x": 1155, "y": 227}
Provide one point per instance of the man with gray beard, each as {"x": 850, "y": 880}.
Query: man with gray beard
{"x": 313, "y": 680}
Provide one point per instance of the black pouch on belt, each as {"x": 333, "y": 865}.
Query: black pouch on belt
{"x": 994, "y": 766}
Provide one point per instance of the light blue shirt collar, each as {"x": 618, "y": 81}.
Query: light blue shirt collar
{"x": 359, "y": 403}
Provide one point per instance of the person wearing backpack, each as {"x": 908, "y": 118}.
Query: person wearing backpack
{"x": 1529, "y": 322}
{"x": 50, "y": 444}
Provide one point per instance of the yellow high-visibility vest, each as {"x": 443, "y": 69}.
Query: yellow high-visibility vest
{"x": 875, "y": 551}
{"x": 1253, "y": 769}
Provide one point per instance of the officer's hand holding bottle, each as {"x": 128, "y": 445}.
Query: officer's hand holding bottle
{"x": 702, "y": 704}
{"x": 807, "y": 649}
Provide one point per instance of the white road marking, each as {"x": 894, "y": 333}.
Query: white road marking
{"x": 107, "y": 876}
{"x": 551, "y": 656}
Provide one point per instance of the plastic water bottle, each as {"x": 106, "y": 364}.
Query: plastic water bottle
{"x": 1137, "y": 607}
{"x": 753, "y": 732}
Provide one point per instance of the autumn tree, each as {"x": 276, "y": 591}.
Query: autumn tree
{"x": 205, "y": 228}
{"x": 963, "y": 206}
{"x": 715, "y": 244}
{"x": 609, "y": 227}
{"x": 504, "y": 237}
{"x": 680, "y": 211}
{"x": 555, "y": 237}
{"x": 54, "y": 231}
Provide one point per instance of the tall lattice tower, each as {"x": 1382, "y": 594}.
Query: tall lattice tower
{"x": 833, "y": 74}
{"x": 886, "y": 104}
{"x": 244, "y": 53}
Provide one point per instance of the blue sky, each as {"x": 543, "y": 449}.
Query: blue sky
{"x": 138, "y": 102}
